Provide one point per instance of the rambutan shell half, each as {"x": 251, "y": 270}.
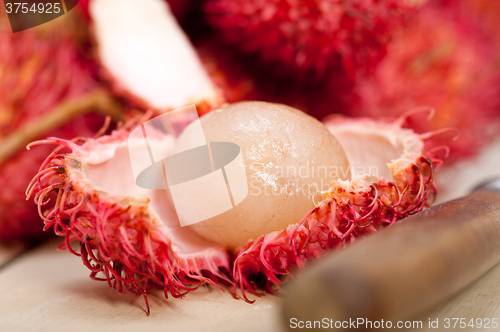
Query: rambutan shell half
{"x": 134, "y": 241}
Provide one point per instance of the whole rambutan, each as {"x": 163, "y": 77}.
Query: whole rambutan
{"x": 241, "y": 76}
{"x": 443, "y": 59}
{"x": 486, "y": 13}
{"x": 306, "y": 39}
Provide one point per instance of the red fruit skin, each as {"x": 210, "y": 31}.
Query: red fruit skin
{"x": 83, "y": 8}
{"x": 181, "y": 8}
{"x": 486, "y": 13}
{"x": 306, "y": 38}
{"x": 40, "y": 69}
{"x": 446, "y": 60}
{"x": 242, "y": 77}
{"x": 19, "y": 219}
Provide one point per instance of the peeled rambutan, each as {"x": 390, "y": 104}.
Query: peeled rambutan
{"x": 131, "y": 236}
{"x": 307, "y": 39}
{"x": 443, "y": 59}
{"x": 44, "y": 81}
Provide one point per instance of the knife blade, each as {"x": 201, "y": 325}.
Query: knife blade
{"x": 405, "y": 269}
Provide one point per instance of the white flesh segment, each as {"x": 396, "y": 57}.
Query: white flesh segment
{"x": 147, "y": 54}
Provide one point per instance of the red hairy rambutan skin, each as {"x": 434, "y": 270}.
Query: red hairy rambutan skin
{"x": 444, "y": 59}
{"x": 121, "y": 238}
{"x": 39, "y": 69}
{"x": 123, "y": 241}
{"x": 19, "y": 220}
{"x": 241, "y": 76}
{"x": 307, "y": 38}
{"x": 230, "y": 71}
{"x": 484, "y": 12}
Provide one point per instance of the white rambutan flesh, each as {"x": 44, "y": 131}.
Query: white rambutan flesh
{"x": 289, "y": 157}
{"x": 147, "y": 56}
{"x": 132, "y": 238}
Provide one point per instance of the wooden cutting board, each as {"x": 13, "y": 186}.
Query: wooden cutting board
{"x": 9, "y": 253}
{"x": 47, "y": 290}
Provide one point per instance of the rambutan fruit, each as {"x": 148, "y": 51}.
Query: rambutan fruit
{"x": 232, "y": 73}
{"x": 306, "y": 39}
{"x": 19, "y": 221}
{"x": 486, "y": 13}
{"x": 131, "y": 237}
{"x": 443, "y": 59}
{"x": 161, "y": 70}
{"x": 46, "y": 87}
{"x": 287, "y": 155}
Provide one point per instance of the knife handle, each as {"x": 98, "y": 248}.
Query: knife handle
{"x": 404, "y": 269}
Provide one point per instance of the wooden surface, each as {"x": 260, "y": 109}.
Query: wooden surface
{"x": 47, "y": 290}
{"x": 9, "y": 253}
{"x": 458, "y": 179}
{"x": 481, "y": 300}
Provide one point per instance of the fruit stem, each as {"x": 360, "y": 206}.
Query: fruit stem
{"x": 99, "y": 101}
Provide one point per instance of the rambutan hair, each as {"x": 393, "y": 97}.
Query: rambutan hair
{"x": 308, "y": 38}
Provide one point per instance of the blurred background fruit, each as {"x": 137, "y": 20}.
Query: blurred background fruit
{"x": 443, "y": 59}
{"x": 40, "y": 69}
{"x": 305, "y": 38}
{"x": 355, "y": 57}
{"x": 439, "y": 54}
